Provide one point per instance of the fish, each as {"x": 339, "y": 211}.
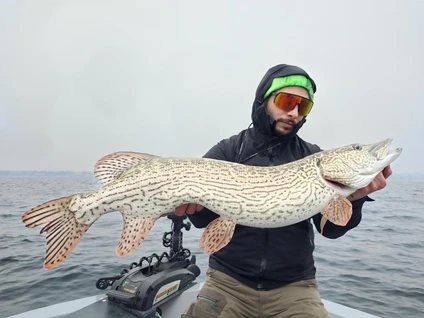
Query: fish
{"x": 145, "y": 187}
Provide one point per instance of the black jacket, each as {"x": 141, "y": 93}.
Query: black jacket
{"x": 269, "y": 258}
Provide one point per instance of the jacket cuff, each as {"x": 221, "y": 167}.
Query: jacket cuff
{"x": 359, "y": 203}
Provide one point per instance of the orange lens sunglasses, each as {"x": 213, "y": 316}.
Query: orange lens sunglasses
{"x": 288, "y": 102}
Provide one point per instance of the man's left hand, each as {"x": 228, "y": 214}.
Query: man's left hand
{"x": 377, "y": 184}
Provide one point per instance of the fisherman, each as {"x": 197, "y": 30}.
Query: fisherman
{"x": 270, "y": 272}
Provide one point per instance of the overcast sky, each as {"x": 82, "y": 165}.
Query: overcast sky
{"x": 83, "y": 78}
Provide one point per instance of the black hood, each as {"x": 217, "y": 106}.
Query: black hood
{"x": 261, "y": 120}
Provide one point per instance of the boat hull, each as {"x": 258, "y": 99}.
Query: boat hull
{"x": 99, "y": 307}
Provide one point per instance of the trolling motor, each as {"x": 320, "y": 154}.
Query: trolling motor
{"x": 142, "y": 290}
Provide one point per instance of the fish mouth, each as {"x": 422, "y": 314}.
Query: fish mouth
{"x": 380, "y": 149}
{"x": 383, "y": 155}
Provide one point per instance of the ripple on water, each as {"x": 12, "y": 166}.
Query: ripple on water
{"x": 375, "y": 267}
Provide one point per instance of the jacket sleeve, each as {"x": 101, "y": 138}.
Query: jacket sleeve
{"x": 334, "y": 231}
{"x": 221, "y": 151}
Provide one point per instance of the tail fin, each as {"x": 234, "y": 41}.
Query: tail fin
{"x": 63, "y": 230}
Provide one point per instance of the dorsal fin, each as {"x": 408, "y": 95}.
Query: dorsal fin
{"x": 110, "y": 167}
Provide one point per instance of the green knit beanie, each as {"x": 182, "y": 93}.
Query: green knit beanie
{"x": 291, "y": 80}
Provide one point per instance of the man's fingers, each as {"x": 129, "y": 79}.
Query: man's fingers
{"x": 387, "y": 172}
{"x": 358, "y": 194}
{"x": 377, "y": 184}
{"x": 179, "y": 211}
{"x": 189, "y": 208}
{"x": 381, "y": 182}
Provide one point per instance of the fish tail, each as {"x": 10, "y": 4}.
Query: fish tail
{"x": 63, "y": 230}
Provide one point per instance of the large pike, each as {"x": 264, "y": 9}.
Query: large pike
{"x": 144, "y": 187}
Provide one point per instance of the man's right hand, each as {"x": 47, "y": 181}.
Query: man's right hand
{"x": 189, "y": 208}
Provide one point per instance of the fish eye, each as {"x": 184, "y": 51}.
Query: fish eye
{"x": 357, "y": 147}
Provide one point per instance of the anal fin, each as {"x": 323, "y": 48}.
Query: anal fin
{"x": 134, "y": 232}
{"x": 337, "y": 211}
{"x": 217, "y": 235}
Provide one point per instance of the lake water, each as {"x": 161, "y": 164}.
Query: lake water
{"x": 378, "y": 267}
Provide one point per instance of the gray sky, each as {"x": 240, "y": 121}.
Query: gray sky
{"x": 81, "y": 79}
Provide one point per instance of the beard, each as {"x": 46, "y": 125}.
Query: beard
{"x": 284, "y": 130}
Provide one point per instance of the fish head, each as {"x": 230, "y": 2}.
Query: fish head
{"x": 355, "y": 166}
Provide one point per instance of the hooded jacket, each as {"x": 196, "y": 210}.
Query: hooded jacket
{"x": 265, "y": 259}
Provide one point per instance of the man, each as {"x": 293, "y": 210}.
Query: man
{"x": 270, "y": 272}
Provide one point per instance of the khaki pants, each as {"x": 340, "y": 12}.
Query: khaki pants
{"x": 224, "y": 297}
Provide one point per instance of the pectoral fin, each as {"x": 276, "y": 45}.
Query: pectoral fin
{"x": 134, "y": 232}
{"x": 217, "y": 235}
{"x": 337, "y": 211}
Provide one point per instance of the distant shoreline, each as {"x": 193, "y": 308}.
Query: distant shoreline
{"x": 44, "y": 173}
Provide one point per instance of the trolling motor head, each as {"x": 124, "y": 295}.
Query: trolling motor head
{"x": 142, "y": 290}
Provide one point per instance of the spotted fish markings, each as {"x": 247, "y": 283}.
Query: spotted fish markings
{"x": 145, "y": 187}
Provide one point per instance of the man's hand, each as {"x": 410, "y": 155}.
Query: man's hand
{"x": 189, "y": 208}
{"x": 377, "y": 184}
